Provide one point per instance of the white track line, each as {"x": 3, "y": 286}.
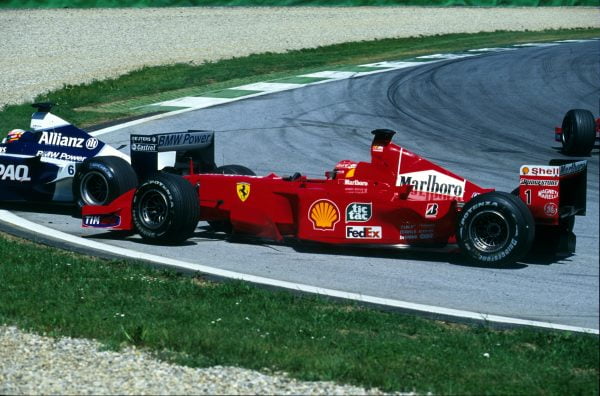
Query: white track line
{"x": 12, "y": 219}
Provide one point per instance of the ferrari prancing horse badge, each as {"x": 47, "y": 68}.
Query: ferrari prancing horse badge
{"x": 243, "y": 191}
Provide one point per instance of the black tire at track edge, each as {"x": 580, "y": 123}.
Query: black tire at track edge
{"x": 183, "y": 209}
{"x": 521, "y": 231}
{"x": 117, "y": 172}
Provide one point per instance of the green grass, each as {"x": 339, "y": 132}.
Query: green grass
{"x": 194, "y": 322}
{"x": 108, "y": 100}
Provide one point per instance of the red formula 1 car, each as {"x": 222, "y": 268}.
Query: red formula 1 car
{"x": 398, "y": 198}
{"x": 579, "y": 132}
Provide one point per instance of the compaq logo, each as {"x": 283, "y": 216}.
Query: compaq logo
{"x": 57, "y": 139}
{"x": 433, "y": 182}
{"x": 14, "y": 173}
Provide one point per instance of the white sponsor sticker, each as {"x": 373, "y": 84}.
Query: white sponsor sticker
{"x": 548, "y": 193}
{"x": 434, "y": 182}
{"x": 363, "y": 232}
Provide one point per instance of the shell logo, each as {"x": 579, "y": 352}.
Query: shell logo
{"x": 324, "y": 215}
{"x": 525, "y": 170}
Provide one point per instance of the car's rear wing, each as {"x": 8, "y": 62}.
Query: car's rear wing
{"x": 555, "y": 191}
{"x": 196, "y": 146}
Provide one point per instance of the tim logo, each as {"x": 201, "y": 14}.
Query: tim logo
{"x": 358, "y": 212}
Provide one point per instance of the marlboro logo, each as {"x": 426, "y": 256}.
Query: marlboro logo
{"x": 433, "y": 182}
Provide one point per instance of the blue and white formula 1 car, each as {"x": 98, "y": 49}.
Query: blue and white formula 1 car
{"x": 57, "y": 162}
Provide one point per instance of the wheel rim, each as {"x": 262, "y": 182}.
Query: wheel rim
{"x": 489, "y": 231}
{"x": 153, "y": 209}
{"x": 94, "y": 188}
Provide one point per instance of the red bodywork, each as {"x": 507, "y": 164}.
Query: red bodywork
{"x": 399, "y": 198}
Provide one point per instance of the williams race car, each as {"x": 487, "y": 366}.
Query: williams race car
{"x": 57, "y": 162}
{"x": 398, "y": 198}
{"x": 579, "y": 132}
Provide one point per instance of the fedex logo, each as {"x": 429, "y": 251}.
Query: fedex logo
{"x": 363, "y": 232}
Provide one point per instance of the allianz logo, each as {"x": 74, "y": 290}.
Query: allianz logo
{"x": 57, "y": 139}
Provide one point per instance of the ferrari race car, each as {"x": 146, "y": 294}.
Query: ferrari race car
{"x": 57, "y": 162}
{"x": 398, "y": 198}
{"x": 579, "y": 132}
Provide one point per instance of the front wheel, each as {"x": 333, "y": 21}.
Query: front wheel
{"x": 495, "y": 228}
{"x": 99, "y": 180}
{"x": 166, "y": 209}
{"x": 578, "y": 132}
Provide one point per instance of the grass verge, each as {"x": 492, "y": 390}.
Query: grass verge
{"x": 101, "y": 101}
{"x": 194, "y": 322}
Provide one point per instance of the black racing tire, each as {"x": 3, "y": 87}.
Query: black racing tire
{"x": 578, "y": 132}
{"x": 233, "y": 169}
{"x": 99, "y": 180}
{"x": 165, "y": 209}
{"x": 495, "y": 228}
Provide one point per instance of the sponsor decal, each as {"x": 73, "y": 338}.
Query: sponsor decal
{"x": 548, "y": 194}
{"x": 14, "y": 172}
{"x": 413, "y": 232}
{"x": 2, "y": 149}
{"x": 538, "y": 182}
{"x": 60, "y": 156}
{"x": 358, "y": 212}
{"x": 346, "y": 165}
{"x": 243, "y": 191}
{"x": 377, "y": 149}
{"x": 144, "y": 147}
{"x": 363, "y": 232}
{"x": 143, "y": 139}
{"x": 573, "y": 167}
{"x": 91, "y": 143}
{"x": 57, "y": 139}
{"x": 324, "y": 215}
{"x": 355, "y": 183}
{"x": 184, "y": 139}
{"x": 540, "y": 170}
{"x": 433, "y": 182}
{"x": 432, "y": 210}
{"x": 101, "y": 221}
{"x": 550, "y": 209}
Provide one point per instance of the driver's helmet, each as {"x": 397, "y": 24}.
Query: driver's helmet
{"x": 13, "y": 136}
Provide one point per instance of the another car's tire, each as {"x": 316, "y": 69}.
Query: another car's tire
{"x": 99, "y": 180}
{"x": 165, "y": 209}
{"x": 224, "y": 225}
{"x": 495, "y": 228}
{"x": 578, "y": 132}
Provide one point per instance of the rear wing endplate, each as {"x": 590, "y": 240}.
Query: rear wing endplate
{"x": 555, "y": 191}
{"x": 193, "y": 145}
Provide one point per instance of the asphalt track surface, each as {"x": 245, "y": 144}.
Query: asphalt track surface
{"x": 481, "y": 117}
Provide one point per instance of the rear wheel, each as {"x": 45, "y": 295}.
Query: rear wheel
{"x": 99, "y": 180}
{"x": 495, "y": 228}
{"x": 165, "y": 209}
{"x": 224, "y": 225}
{"x": 578, "y": 132}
